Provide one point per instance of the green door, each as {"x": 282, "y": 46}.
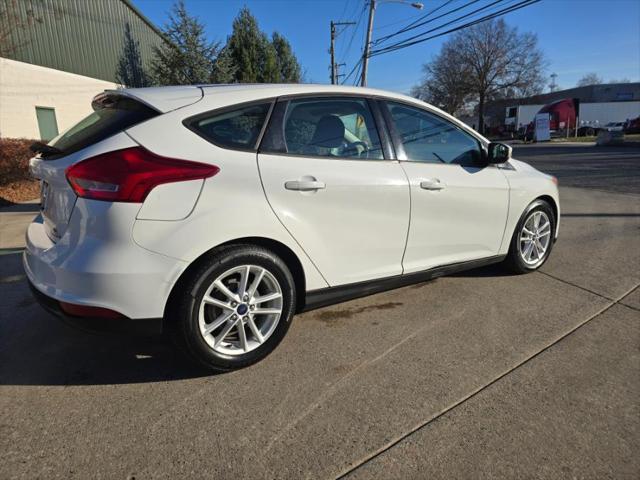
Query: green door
{"x": 47, "y": 123}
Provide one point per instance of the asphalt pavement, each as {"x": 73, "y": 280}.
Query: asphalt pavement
{"x": 478, "y": 375}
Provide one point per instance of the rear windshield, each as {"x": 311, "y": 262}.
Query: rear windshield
{"x": 112, "y": 114}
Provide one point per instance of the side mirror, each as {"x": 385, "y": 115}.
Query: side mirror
{"x": 498, "y": 153}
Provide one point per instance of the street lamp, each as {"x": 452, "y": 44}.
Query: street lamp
{"x": 367, "y": 45}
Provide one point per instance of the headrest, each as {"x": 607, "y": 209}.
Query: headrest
{"x": 329, "y": 132}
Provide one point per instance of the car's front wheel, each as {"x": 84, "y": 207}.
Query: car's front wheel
{"x": 235, "y": 308}
{"x": 532, "y": 239}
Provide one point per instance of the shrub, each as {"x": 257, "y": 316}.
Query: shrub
{"x": 14, "y": 159}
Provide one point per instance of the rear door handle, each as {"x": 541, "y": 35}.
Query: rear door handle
{"x": 432, "y": 184}
{"x": 304, "y": 185}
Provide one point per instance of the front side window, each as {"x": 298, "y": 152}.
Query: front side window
{"x": 235, "y": 129}
{"x": 429, "y": 138}
{"x": 328, "y": 127}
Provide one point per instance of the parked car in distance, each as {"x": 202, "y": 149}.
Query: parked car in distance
{"x": 632, "y": 126}
{"x": 614, "y": 127}
{"x": 215, "y": 213}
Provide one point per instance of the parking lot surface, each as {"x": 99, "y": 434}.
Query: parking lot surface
{"x": 481, "y": 374}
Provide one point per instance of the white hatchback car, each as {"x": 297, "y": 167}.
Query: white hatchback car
{"x": 218, "y": 212}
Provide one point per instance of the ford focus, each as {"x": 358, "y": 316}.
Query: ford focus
{"x": 216, "y": 213}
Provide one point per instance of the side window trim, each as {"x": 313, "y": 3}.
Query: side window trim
{"x": 396, "y": 139}
{"x": 273, "y": 134}
{"x": 278, "y": 115}
{"x": 190, "y": 122}
{"x": 382, "y": 126}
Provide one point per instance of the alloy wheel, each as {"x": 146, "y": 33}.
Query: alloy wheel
{"x": 535, "y": 238}
{"x": 240, "y": 310}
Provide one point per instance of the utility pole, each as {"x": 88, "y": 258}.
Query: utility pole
{"x": 332, "y": 50}
{"x": 367, "y": 45}
{"x": 338, "y": 75}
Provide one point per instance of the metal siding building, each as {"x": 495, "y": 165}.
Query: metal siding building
{"x": 85, "y": 37}
{"x": 58, "y": 55}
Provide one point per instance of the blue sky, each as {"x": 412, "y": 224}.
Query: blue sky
{"x": 577, "y": 36}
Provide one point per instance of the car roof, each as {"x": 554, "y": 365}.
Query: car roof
{"x": 170, "y": 98}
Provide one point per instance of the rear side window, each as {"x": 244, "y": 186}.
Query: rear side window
{"x": 235, "y": 129}
{"x": 112, "y": 114}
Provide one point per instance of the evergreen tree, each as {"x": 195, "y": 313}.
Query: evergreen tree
{"x": 245, "y": 47}
{"x": 188, "y": 58}
{"x": 269, "y": 71}
{"x": 130, "y": 72}
{"x": 287, "y": 62}
{"x": 257, "y": 59}
{"x": 224, "y": 70}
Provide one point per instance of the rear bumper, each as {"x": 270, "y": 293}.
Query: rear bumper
{"x": 146, "y": 326}
{"x": 96, "y": 263}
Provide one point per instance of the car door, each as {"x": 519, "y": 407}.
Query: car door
{"x": 458, "y": 206}
{"x": 325, "y": 175}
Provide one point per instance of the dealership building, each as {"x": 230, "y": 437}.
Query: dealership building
{"x": 602, "y": 103}
{"x": 57, "y": 55}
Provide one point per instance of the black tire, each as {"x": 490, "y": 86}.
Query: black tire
{"x": 184, "y": 311}
{"x": 514, "y": 262}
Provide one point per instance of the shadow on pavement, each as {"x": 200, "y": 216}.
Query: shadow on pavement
{"x": 21, "y": 208}
{"x": 54, "y": 354}
{"x": 496, "y": 270}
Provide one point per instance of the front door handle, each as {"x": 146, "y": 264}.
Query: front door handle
{"x": 432, "y": 184}
{"x": 304, "y": 185}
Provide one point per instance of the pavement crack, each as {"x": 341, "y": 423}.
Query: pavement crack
{"x": 579, "y": 286}
{"x": 392, "y": 443}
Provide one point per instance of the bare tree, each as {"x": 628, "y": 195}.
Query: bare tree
{"x": 441, "y": 85}
{"x": 487, "y": 61}
{"x": 14, "y": 25}
{"x": 589, "y": 79}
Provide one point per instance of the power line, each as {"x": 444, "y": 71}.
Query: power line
{"x": 355, "y": 67}
{"x": 450, "y": 22}
{"x": 344, "y": 9}
{"x": 396, "y": 22}
{"x": 420, "y": 22}
{"x": 332, "y": 50}
{"x": 406, "y": 43}
{"x": 344, "y": 51}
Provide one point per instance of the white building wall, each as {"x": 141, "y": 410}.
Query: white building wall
{"x": 24, "y": 86}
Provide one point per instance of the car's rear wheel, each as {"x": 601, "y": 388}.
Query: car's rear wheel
{"x": 532, "y": 239}
{"x": 236, "y": 307}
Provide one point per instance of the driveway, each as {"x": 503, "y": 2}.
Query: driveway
{"x": 477, "y": 375}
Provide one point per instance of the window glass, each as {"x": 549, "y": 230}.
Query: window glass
{"x": 331, "y": 127}
{"x": 233, "y": 129}
{"x": 112, "y": 114}
{"x": 429, "y": 138}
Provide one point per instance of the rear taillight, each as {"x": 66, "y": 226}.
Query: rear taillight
{"x": 129, "y": 175}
